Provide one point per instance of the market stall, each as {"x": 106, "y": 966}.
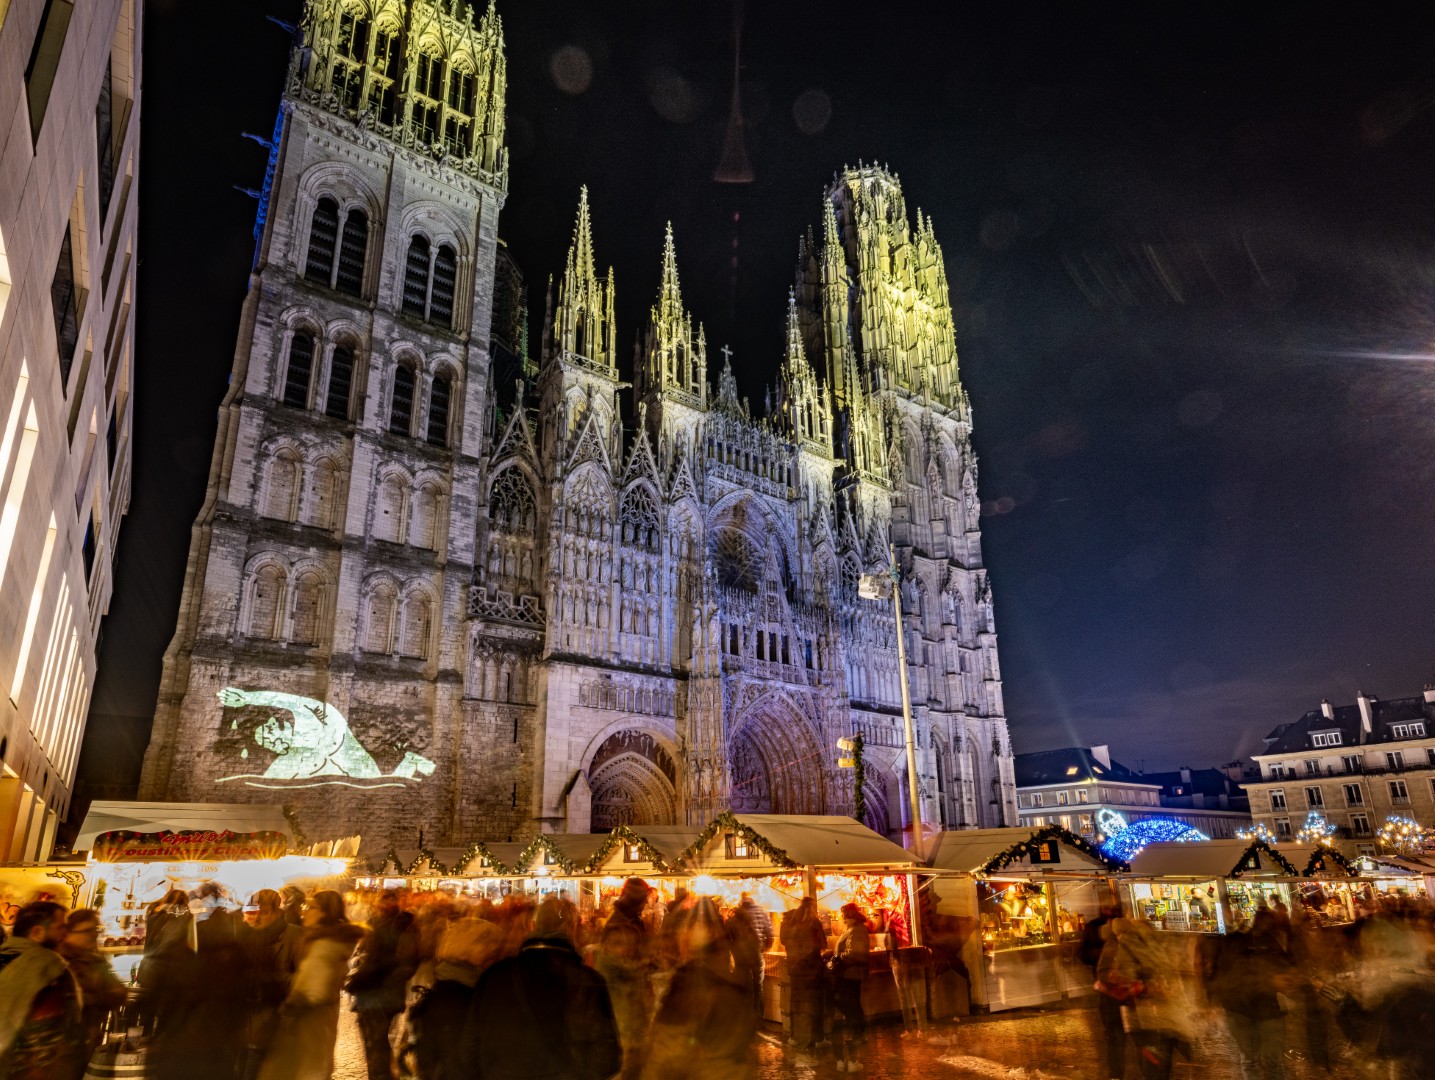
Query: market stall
{"x": 1337, "y": 891}
{"x": 479, "y": 871}
{"x": 140, "y": 851}
{"x": 778, "y": 860}
{"x": 1024, "y": 897}
{"x": 1212, "y": 887}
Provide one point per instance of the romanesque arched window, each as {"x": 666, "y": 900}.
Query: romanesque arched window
{"x": 266, "y": 602}
{"x": 401, "y": 405}
{"x": 439, "y": 392}
{"x": 417, "y": 626}
{"x": 323, "y": 241}
{"x": 308, "y": 606}
{"x": 379, "y": 615}
{"x": 416, "y": 277}
{"x": 511, "y": 506}
{"x": 341, "y": 383}
{"x": 323, "y": 493}
{"x": 445, "y": 281}
{"x": 425, "y": 527}
{"x": 390, "y": 510}
{"x": 353, "y": 245}
{"x": 639, "y": 518}
{"x": 281, "y": 486}
{"x": 299, "y": 371}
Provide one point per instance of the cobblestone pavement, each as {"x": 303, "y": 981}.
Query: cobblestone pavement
{"x": 1031, "y": 1043}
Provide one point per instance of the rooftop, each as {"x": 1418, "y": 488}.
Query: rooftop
{"x": 1073, "y": 765}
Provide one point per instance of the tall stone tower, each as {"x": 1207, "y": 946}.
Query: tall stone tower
{"x": 422, "y": 599}
{"x": 336, "y": 542}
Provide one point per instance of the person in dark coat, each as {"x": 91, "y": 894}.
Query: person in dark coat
{"x": 1249, "y": 972}
{"x": 625, "y": 959}
{"x": 849, "y": 971}
{"x": 749, "y": 937}
{"x": 465, "y": 950}
{"x": 293, "y": 897}
{"x": 388, "y": 959}
{"x": 41, "y": 1033}
{"x": 202, "y": 997}
{"x": 273, "y": 946}
{"x": 804, "y": 940}
{"x": 542, "y": 1015}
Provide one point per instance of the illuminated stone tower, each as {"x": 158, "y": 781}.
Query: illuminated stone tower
{"x": 331, "y": 561}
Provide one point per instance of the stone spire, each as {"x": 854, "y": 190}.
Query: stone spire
{"x": 582, "y": 321}
{"x": 672, "y": 363}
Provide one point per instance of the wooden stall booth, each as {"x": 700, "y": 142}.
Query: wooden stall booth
{"x": 1214, "y": 886}
{"x": 139, "y": 851}
{"x": 1022, "y": 898}
{"x": 1337, "y": 891}
{"x": 780, "y": 859}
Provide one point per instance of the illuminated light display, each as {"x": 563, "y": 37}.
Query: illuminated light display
{"x": 1124, "y": 840}
{"x": 1405, "y": 836}
{"x": 1259, "y": 831}
{"x": 314, "y": 746}
{"x": 1316, "y": 829}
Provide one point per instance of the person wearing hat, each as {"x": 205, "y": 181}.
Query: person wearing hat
{"x": 625, "y": 960}
{"x": 542, "y": 1015}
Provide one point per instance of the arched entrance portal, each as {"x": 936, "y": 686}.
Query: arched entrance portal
{"x": 777, "y": 763}
{"x": 633, "y": 780}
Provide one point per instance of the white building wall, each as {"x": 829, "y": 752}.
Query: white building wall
{"x": 64, "y": 426}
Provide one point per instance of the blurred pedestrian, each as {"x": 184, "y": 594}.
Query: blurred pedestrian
{"x": 542, "y": 1015}
{"x": 273, "y": 946}
{"x": 41, "y": 1033}
{"x": 708, "y": 1017}
{"x": 387, "y": 960}
{"x": 303, "y": 1043}
{"x": 169, "y": 930}
{"x": 1095, "y": 936}
{"x": 1143, "y": 966}
{"x": 203, "y": 995}
{"x": 100, "y": 988}
{"x": 1249, "y": 972}
{"x": 625, "y": 960}
{"x": 293, "y": 897}
{"x": 804, "y": 940}
{"x": 465, "y": 950}
{"x": 849, "y": 973}
{"x": 750, "y": 937}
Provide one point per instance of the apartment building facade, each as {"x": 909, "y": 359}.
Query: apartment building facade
{"x": 69, "y": 155}
{"x": 1356, "y": 765}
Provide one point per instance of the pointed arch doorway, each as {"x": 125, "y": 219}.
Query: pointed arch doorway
{"x": 777, "y": 762}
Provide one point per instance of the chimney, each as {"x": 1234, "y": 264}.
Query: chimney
{"x": 1102, "y": 754}
{"x": 1327, "y": 710}
{"x": 1366, "y": 717}
{"x": 1185, "y": 774}
{"x": 1430, "y": 693}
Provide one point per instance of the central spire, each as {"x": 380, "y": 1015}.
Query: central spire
{"x": 670, "y": 298}
{"x": 581, "y": 253}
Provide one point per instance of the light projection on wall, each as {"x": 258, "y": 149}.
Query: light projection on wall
{"x": 1124, "y": 840}
{"x": 313, "y": 746}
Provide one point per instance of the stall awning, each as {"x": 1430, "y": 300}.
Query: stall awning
{"x": 1210, "y": 859}
{"x": 969, "y": 851}
{"x": 826, "y": 841}
{"x": 158, "y": 817}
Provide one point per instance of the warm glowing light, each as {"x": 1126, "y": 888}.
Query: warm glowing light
{"x": 1316, "y": 829}
{"x": 1405, "y": 836}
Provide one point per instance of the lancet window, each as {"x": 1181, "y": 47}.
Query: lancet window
{"x": 439, "y": 392}
{"x": 390, "y": 510}
{"x": 266, "y": 602}
{"x": 281, "y": 486}
{"x": 511, "y": 503}
{"x": 430, "y": 281}
{"x": 323, "y": 493}
{"x": 299, "y": 371}
{"x": 308, "y": 606}
{"x": 379, "y": 613}
{"x": 341, "y": 383}
{"x": 425, "y": 528}
{"x": 401, "y": 406}
{"x": 417, "y": 627}
{"x": 639, "y": 519}
{"x": 336, "y": 254}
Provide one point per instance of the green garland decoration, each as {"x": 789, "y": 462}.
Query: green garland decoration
{"x": 291, "y": 815}
{"x": 389, "y": 858}
{"x": 479, "y": 850}
{"x": 1276, "y": 857}
{"x": 622, "y": 834}
{"x": 542, "y": 842}
{"x": 1322, "y": 852}
{"x": 859, "y": 779}
{"x": 1032, "y": 845}
{"x": 426, "y": 854}
{"x": 727, "y": 820}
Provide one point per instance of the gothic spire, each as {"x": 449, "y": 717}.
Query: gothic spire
{"x": 670, "y": 298}
{"x": 580, "y": 253}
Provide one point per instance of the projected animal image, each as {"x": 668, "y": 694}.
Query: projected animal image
{"x": 313, "y": 745}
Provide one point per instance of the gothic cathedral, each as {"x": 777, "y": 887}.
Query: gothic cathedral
{"x": 439, "y": 583}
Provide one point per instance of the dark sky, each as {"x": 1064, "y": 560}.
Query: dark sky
{"x": 1192, "y": 261}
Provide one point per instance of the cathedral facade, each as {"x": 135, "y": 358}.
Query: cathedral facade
{"x": 428, "y": 590}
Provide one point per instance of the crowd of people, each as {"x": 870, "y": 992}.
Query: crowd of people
{"x": 1359, "y": 997}
{"x": 441, "y": 988}
{"x": 648, "y": 989}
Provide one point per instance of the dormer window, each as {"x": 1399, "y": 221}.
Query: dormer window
{"x": 738, "y": 848}
{"x": 1325, "y": 738}
{"x": 1407, "y": 731}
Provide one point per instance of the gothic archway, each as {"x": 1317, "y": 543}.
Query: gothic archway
{"x": 776, "y": 761}
{"x": 634, "y": 782}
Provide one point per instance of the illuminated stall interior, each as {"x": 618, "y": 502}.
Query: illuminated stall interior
{"x": 140, "y": 851}
{"x": 1010, "y": 898}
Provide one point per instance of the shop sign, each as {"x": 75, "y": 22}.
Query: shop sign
{"x": 188, "y": 846}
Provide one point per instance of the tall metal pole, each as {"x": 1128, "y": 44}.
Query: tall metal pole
{"x": 906, "y": 706}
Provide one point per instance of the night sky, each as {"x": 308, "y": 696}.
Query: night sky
{"x": 1190, "y": 258}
